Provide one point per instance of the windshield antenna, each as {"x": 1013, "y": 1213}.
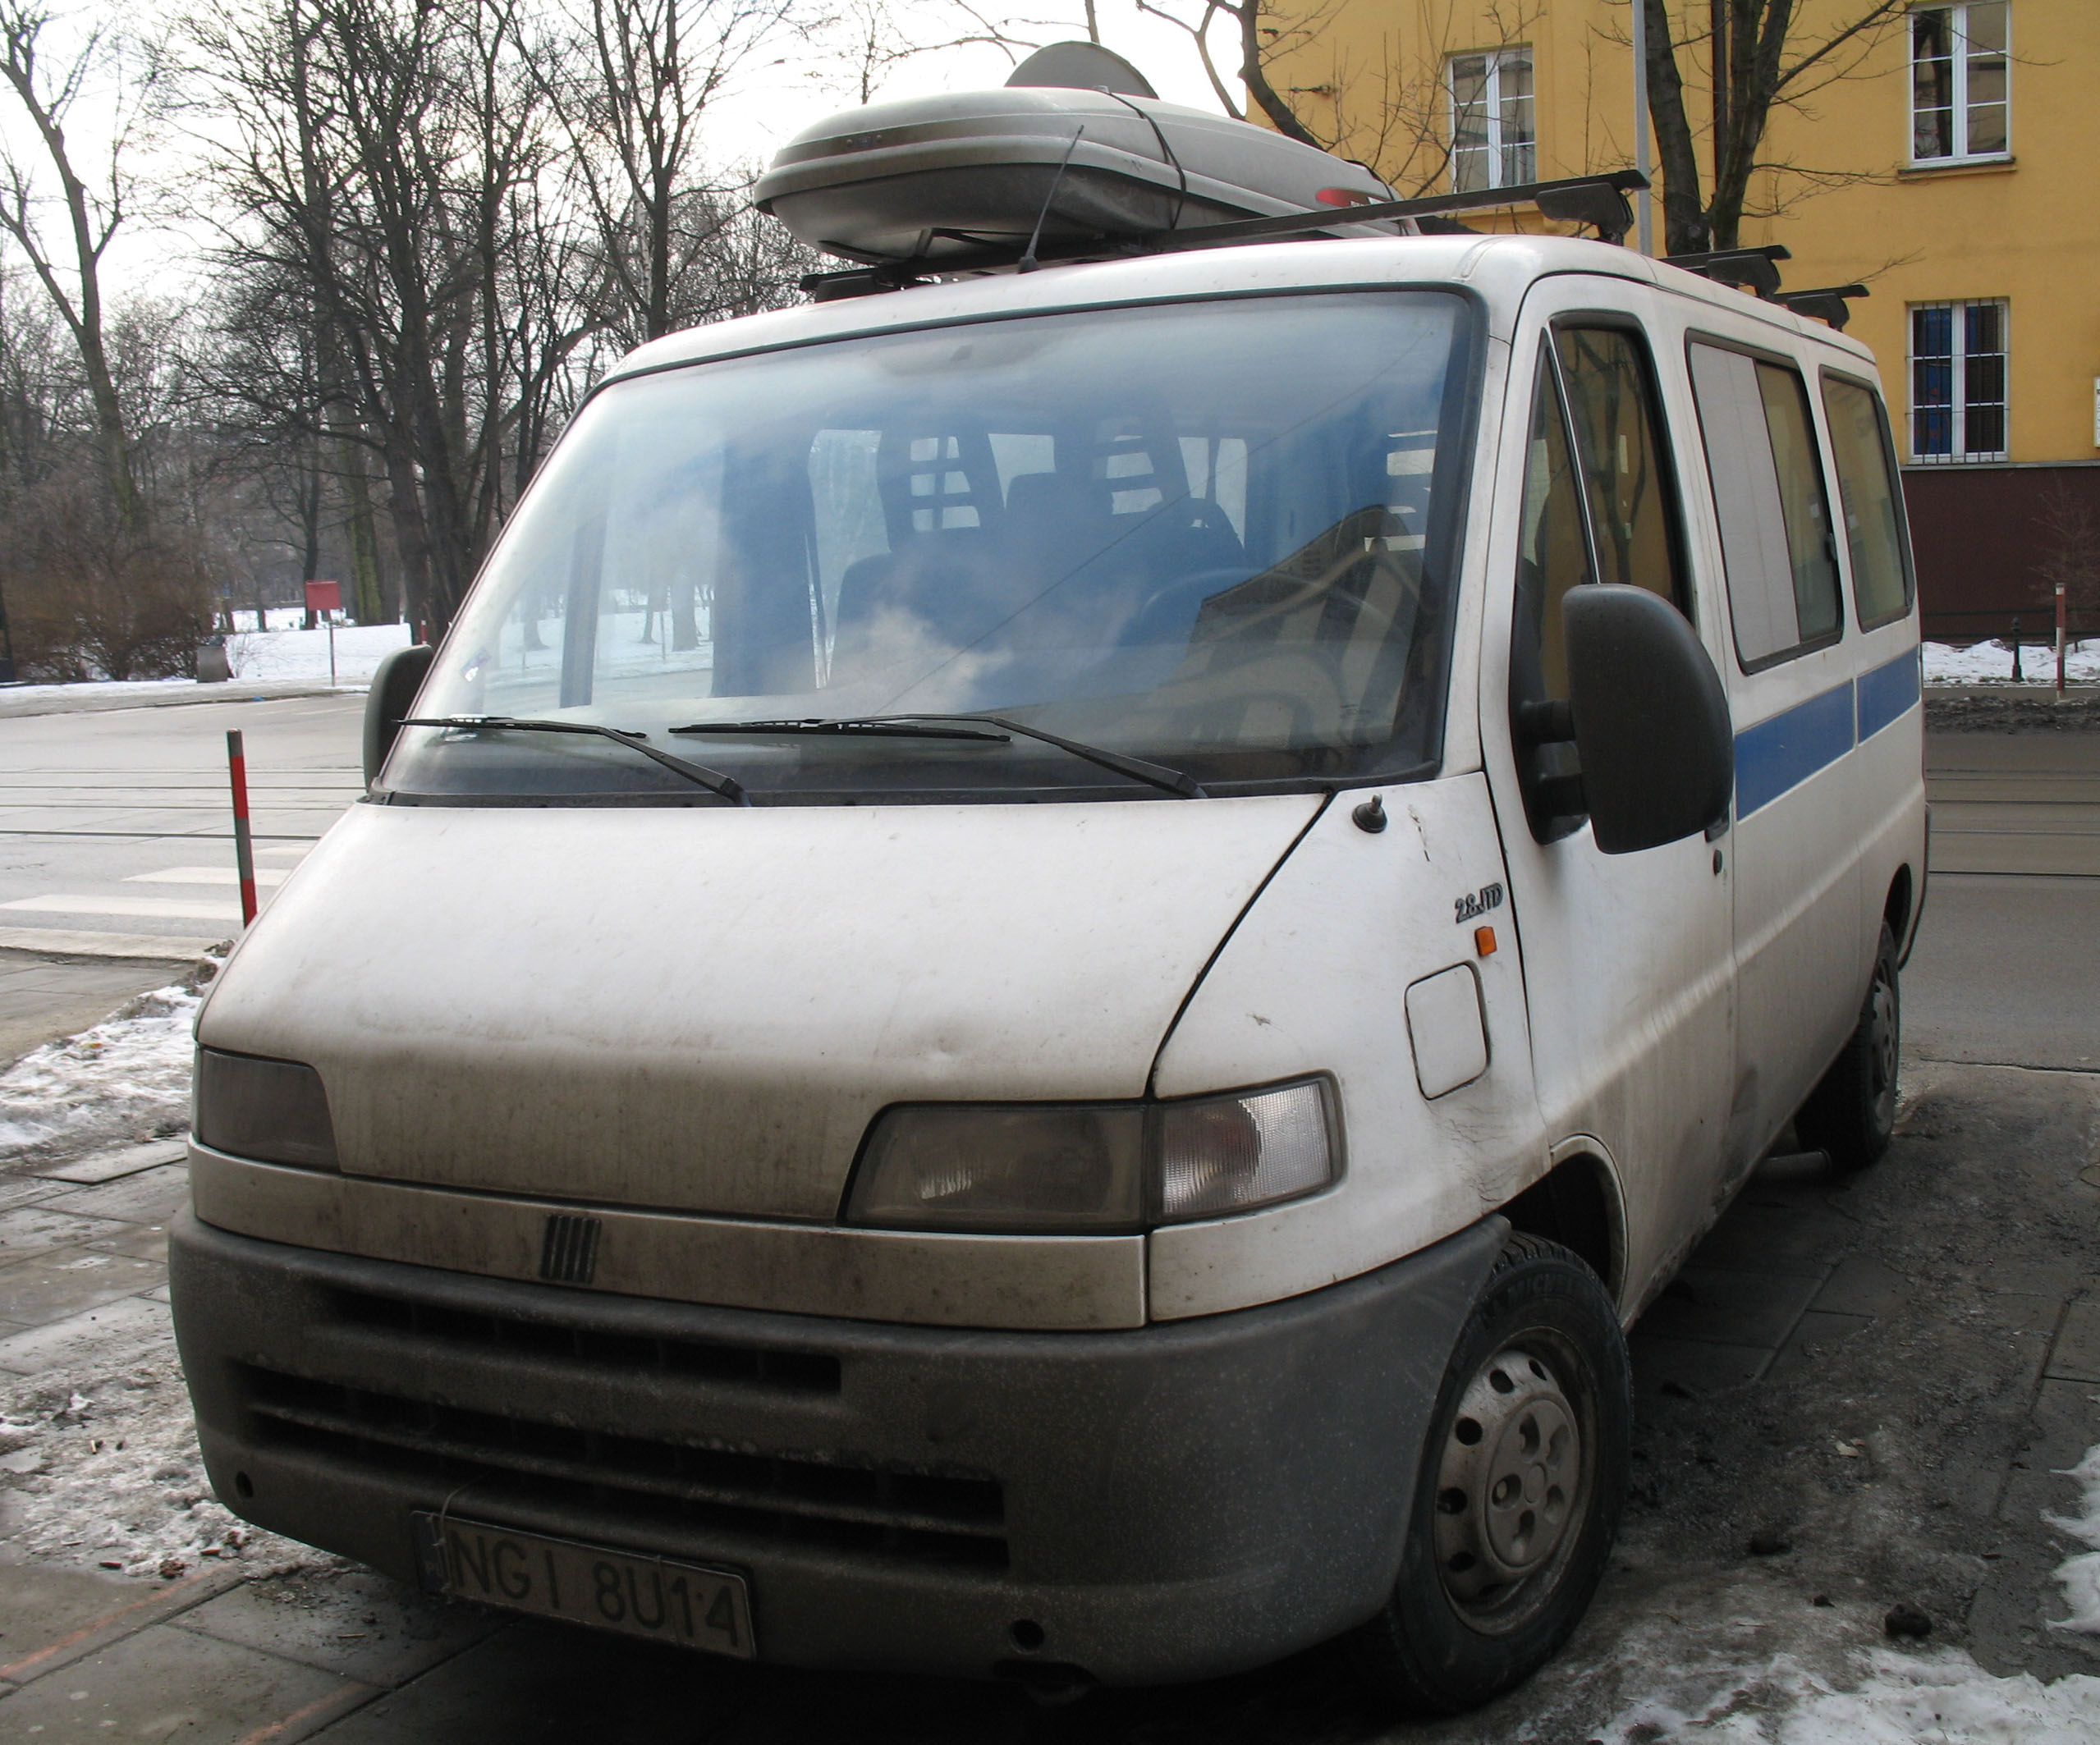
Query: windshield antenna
{"x": 1028, "y": 263}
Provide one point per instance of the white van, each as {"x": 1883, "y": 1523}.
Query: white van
{"x": 1050, "y": 959}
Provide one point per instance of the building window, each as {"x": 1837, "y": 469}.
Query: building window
{"x": 1958, "y": 381}
{"x": 1958, "y": 95}
{"x": 1493, "y": 142}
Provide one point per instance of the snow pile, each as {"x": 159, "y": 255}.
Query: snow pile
{"x": 102, "y": 1462}
{"x": 296, "y": 657}
{"x": 2080, "y": 1575}
{"x": 1944, "y": 1696}
{"x": 1839, "y": 1686}
{"x": 127, "y": 1079}
{"x": 1987, "y": 663}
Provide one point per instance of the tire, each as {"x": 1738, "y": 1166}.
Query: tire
{"x": 1851, "y": 1114}
{"x": 1492, "y": 1581}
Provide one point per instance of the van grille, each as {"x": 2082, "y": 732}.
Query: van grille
{"x": 813, "y": 1372}
{"x": 938, "y": 1516}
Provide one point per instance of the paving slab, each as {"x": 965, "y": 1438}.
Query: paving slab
{"x": 67, "y": 1281}
{"x": 542, "y": 1684}
{"x": 1694, "y": 1367}
{"x": 152, "y": 1196}
{"x": 116, "y": 1333}
{"x": 168, "y": 1684}
{"x": 141, "y": 1241}
{"x": 114, "y": 1165}
{"x": 49, "y": 1616}
{"x": 354, "y": 1622}
{"x": 1860, "y": 1284}
{"x": 1765, "y": 1232}
{"x": 1818, "y": 1334}
{"x": 2076, "y": 1356}
{"x": 20, "y": 1190}
{"x": 1730, "y": 1307}
{"x": 34, "y": 1229}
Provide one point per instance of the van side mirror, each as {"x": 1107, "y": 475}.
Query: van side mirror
{"x": 1651, "y": 721}
{"x": 387, "y": 704}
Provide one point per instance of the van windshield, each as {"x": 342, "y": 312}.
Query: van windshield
{"x": 1217, "y": 536}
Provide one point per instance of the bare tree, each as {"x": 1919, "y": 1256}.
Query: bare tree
{"x": 389, "y": 162}
{"x": 1759, "y": 59}
{"x": 2069, "y": 522}
{"x": 71, "y": 272}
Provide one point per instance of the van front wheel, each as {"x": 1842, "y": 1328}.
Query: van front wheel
{"x": 1520, "y": 1491}
{"x": 1851, "y": 1114}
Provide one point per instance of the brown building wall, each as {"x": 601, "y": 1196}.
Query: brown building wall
{"x": 1981, "y": 536}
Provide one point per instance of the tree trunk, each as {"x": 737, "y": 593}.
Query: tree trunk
{"x": 1685, "y": 229}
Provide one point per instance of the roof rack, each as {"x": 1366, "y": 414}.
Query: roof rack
{"x": 1755, "y": 270}
{"x": 1596, "y": 200}
{"x": 1829, "y": 302}
{"x": 1599, "y": 201}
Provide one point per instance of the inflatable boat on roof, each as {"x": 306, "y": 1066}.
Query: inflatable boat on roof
{"x": 1074, "y": 150}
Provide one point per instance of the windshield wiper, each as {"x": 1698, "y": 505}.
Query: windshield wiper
{"x": 728, "y": 786}
{"x": 896, "y": 730}
{"x": 1157, "y": 775}
{"x": 1139, "y": 769}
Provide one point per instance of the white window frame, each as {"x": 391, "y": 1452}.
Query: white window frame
{"x": 1957, "y": 12}
{"x": 1497, "y": 147}
{"x": 1957, "y": 411}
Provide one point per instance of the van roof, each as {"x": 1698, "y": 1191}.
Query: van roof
{"x": 1498, "y": 269}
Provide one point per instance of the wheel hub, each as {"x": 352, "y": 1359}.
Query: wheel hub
{"x": 1510, "y": 1484}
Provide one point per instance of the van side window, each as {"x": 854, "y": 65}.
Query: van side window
{"x": 1618, "y": 434}
{"x": 1552, "y": 556}
{"x": 1553, "y": 553}
{"x": 1873, "y": 501}
{"x": 1768, "y": 499}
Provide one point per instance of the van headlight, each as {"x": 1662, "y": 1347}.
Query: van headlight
{"x": 1092, "y": 1169}
{"x": 275, "y": 1111}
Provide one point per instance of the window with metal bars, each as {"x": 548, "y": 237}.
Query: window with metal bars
{"x": 1960, "y": 106}
{"x": 1958, "y": 381}
{"x": 1494, "y": 138}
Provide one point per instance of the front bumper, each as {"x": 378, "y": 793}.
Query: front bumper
{"x": 1168, "y": 1503}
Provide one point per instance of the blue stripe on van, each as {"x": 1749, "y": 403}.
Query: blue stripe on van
{"x": 1888, "y": 694}
{"x": 1784, "y": 752}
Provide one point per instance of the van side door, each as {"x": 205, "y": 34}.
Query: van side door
{"x": 1627, "y": 959}
{"x": 1790, "y": 667}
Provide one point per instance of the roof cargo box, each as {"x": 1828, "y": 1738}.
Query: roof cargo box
{"x": 963, "y": 176}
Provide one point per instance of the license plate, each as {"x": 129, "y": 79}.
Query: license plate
{"x": 622, "y": 1591}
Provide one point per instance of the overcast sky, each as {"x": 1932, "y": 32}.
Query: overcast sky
{"x": 160, "y": 251}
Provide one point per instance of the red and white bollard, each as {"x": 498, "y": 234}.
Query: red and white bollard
{"x": 244, "y": 847}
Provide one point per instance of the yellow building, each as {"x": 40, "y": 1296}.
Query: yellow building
{"x": 1946, "y": 157}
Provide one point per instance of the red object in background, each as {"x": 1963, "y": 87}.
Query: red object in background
{"x": 324, "y": 597}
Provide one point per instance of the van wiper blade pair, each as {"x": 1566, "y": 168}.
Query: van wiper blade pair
{"x": 1138, "y": 769}
{"x": 728, "y": 786}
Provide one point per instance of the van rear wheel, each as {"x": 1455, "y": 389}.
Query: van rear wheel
{"x": 1519, "y": 1495}
{"x": 1851, "y": 1114}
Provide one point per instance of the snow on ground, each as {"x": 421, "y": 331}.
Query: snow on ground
{"x": 281, "y": 655}
{"x": 2080, "y": 1575}
{"x": 298, "y": 656}
{"x": 125, "y": 1079}
{"x": 101, "y": 1461}
{"x": 99, "y": 1454}
{"x": 1832, "y": 1679}
{"x": 1943, "y": 1697}
{"x": 1987, "y": 663}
